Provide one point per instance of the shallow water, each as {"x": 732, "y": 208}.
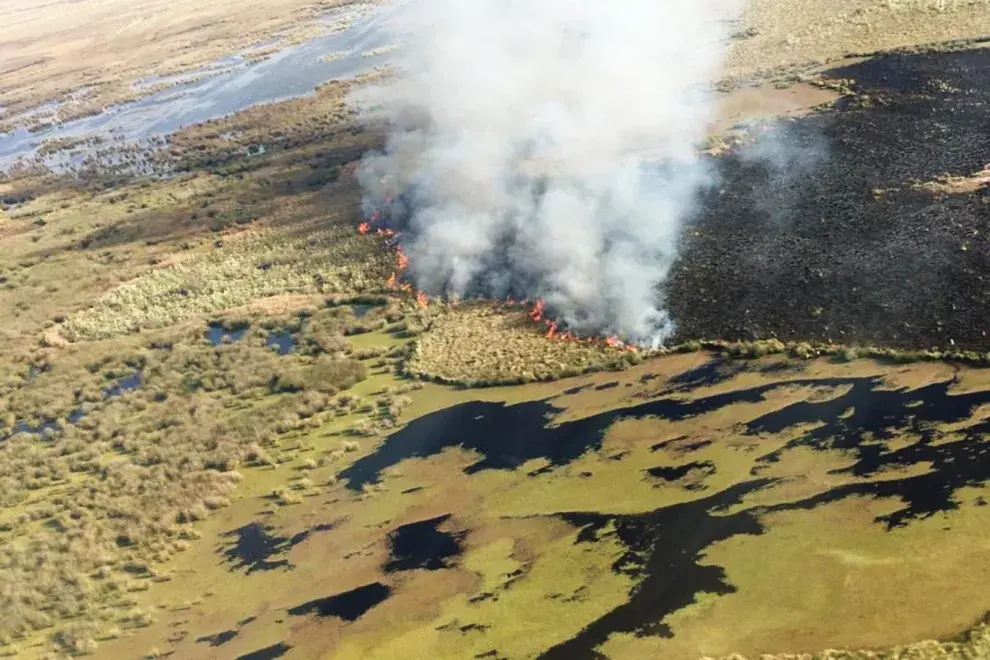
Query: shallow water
{"x": 230, "y": 84}
{"x": 125, "y": 384}
{"x": 349, "y": 606}
{"x": 281, "y": 342}
{"x": 267, "y": 653}
{"x": 255, "y": 544}
{"x": 861, "y": 417}
{"x": 216, "y": 334}
{"x": 665, "y": 547}
{"x": 507, "y": 436}
{"x": 421, "y": 545}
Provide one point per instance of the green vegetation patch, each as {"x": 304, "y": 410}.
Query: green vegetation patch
{"x": 479, "y": 345}
{"x": 246, "y": 268}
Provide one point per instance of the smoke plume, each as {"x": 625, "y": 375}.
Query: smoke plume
{"x": 548, "y": 149}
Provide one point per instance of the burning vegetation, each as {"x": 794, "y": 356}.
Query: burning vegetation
{"x": 379, "y": 224}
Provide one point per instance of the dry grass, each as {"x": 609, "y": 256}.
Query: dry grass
{"x": 481, "y": 345}
{"x": 774, "y": 39}
{"x": 249, "y": 267}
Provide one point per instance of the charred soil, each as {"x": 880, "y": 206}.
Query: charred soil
{"x": 837, "y": 237}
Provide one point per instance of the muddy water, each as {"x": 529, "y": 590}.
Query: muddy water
{"x": 229, "y": 85}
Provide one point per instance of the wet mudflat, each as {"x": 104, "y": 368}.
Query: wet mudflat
{"x": 832, "y": 240}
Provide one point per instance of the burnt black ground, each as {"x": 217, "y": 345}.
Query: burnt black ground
{"x": 807, "y": 251}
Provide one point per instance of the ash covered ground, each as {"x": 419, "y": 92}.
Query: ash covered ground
{"x": 854, "y": 248}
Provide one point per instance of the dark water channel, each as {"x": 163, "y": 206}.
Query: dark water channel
{"x": 507, "y": 436}
{"x": 664, "y": 547}
{"x": 267, "y": 653}
{"x": 348, "y": 606}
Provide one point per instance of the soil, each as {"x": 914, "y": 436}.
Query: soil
{"x": 835, "y": 237}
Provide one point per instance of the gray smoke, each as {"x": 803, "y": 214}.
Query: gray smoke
{"x": 549, "y": 148}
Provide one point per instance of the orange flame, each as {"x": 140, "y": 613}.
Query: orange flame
{"x": 537, "y": 312}
{"x": 401, "y": 259}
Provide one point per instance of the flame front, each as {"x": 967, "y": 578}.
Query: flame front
{"x": 537, "y": 313}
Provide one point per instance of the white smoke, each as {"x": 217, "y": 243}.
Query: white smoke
{"x": 551, "y": 149}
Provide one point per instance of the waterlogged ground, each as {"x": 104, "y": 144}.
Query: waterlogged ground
{"x": 355, "y": 43}
{"x": 206, "y": 449}
{"x": 688, "y": 507}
